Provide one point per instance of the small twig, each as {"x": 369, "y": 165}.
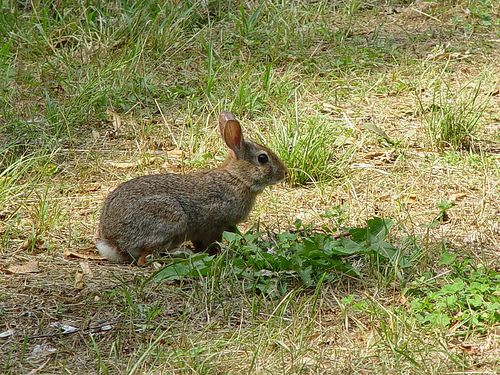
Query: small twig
{"x": 426, "y": 14}
{"x": 166, "y": 124}
{"x": 439, "y": 275}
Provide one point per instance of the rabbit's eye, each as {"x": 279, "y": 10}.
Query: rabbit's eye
{"x": 262, "y": 158}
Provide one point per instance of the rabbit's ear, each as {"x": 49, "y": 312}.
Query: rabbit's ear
{"x": 233, "y": 136}
{"x": 224, "y": 117}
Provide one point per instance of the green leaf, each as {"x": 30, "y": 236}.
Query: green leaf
{"x": 379, "y": 227}
{"x": 447, "y": 259}
{"x": 175, "y": 271}
{"x": 287, "y": 237}
{"x": 305, "y": 276}
{"x": 418, "y": 305}
{"x": 197, "y": 265}
{"x": 479, "y": 287}
{"x": 376, "y": 228}
{"x": 438, "y": 319}
{"x": 349, "y": 247}
{"x": 457, "y": 286}
{"x": 232, "y": 238}
{"x": 383, "y": 249}
{"x": 475, "y": 301}
{"x": 348, "y": 300}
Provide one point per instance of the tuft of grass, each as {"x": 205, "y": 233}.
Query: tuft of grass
{"x": 452, "y": 119}
{"x": 44, "y": 216}
{"x": 15, "y": 168}
{"x": 312, "y": 147}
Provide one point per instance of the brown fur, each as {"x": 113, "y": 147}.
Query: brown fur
{"x": 155, "y": 213}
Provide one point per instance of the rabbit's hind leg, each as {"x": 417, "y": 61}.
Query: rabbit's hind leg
{"x": 146, "y": 251}
{"x": 141, "y": 261}
{"x": 159, "y": 224}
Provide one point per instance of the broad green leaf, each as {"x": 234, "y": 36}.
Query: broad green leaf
{"x": 438, "y": 319}
{"x": 379, "y": 227}
{"x": 232, "y": 238}
{"x": 349, "y": 247}
{"x": 175, "y": 271}
{"x": 447, "y": 259}
{"x": 457, "y": 286}
{"x": 305, "y": 275}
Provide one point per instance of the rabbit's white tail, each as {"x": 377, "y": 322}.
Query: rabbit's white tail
{"x": 109, "y": 251}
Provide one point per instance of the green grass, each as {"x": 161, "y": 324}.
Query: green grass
{"x": 93, "y": 94}
{"x": 453, "y": 119}
{"x": 313, "y": 148}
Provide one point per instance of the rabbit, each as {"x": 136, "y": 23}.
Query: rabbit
{"x": 154, "y": 213}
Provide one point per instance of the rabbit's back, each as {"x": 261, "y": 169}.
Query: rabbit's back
{"x": 197, "y": 195}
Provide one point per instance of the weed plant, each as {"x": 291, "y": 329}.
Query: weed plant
{"x": 453, "y": 119}
{"x": 467, "y": 298}
{"x": 311, "y": 147}
{"x": 272, "y": 264}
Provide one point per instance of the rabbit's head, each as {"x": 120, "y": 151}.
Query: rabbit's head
{"x": 250, "y": 162}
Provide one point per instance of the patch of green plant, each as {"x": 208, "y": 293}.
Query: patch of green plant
{"x": 273, "y": 263}
{"x": 313, "y": 148}
{"x": 452, "y": 119}
{"x": 442, "y": 216}
{"x": 483, "y": 12}
{"x": 472, "y": 160}
{"x": 467, "y": 298}
{"x": 14, "y": 186}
